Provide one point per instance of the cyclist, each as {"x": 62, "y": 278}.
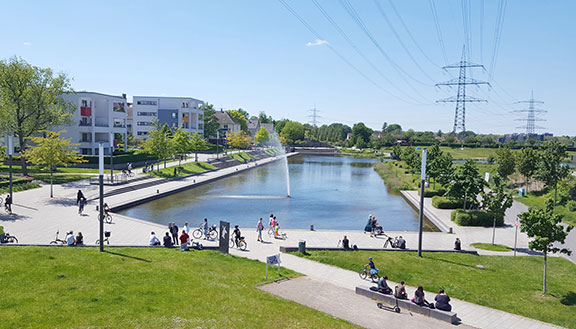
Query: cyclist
{"x": 106, "y": 209}
{"x": 205, "y": 228}
{"x": 237, "y": 235}
{"x": 373, "y": 269}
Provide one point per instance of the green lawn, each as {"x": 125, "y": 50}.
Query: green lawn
{"x": 396, "y": 176}
{"x": 512, "y": 284}
{"x": 44, "y": 170}
{"x": 187, "y": 169}
{"x": 241, "y": 156}
{"x": 538, "y": 200}
{"x": 143, "y": 288}
{"x": 20, "y": 187}
{"x": 492, "y": 247}
{"x": 59, "y": 178}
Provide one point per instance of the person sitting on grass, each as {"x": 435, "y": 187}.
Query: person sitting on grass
{"x": 419, "y": 297}
{"x": 70, "y": 239}
{"x": 154, "y": 241}
{"x": 168, "y": 240}
{"x": 79, "y": 239}
{"x": 400, "y": 291}
{"x": 401, "y": 244}
{"x": 383, "y": 285}
{"x": 443, "y": 301}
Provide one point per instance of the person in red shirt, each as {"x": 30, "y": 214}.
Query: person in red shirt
{"x": 184, "y": 237}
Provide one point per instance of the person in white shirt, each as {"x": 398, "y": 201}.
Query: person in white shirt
{"x": 70, "y": 239}
{"x": 186, "y": 228}
{"x": 154, "y": 241}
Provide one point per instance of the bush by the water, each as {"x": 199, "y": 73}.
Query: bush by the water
{"x": 441, "y": 202}
{"x": 476, "y": 218}
{"x": 429, "y": 193}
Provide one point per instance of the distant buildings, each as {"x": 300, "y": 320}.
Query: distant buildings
{"x": 523, "y": 137}
{"x": 97, "y": 118}
{"x": 255, "y": 125}
{"x": 227, "y": 123}
{"x": 176, "y": 112}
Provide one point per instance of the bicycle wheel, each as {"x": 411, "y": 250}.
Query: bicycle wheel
{"x": 375, "y": 277}
{"x": 363, "y": 274}
{"x": 197, "y": 233}
{"x": 231, "y": 243}
{"x": 108, "y": 219}
{"x": 97, "y": 242}
{"x": 54, "y": 242}
{"x": 242, "y": 245}
{"x": 212, "y": 235}
{"x": 12, "y": 239}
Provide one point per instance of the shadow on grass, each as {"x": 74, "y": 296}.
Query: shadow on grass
{"x": 128, "y": 256}
{"x": 569, "y": 299}
{"x": 461, "y": 264}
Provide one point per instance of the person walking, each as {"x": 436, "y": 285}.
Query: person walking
{"x": 205, "y": 228}
{"x": 259, "y": 228}
{"x": 8, "y": 203}
{"x": 81, "y": 205}
{"x": 270, "y": 226}
{"x": 174, "y": 231}
{"x": 79, "y": 196}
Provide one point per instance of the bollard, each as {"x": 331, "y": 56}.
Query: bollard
{"x": 302, "y": 246}
{"x": 312, "y": 227}
{"x": 450, "y": 230}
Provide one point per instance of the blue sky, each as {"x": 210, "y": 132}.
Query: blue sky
{"x": 253, "y": 54}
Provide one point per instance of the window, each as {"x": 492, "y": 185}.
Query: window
{"x": 147, "y": 114}
{"x": 118, "y": 107}
{"x": 142, "y": 133}
{"x": 147, "y": 103}
{"x": 185, "y": 104}
{"x": 173, "y": 115}
{"x": 144, "y": 123}
{"x": 86, "y": 103}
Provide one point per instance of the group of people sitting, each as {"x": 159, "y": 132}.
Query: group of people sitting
{"x": 373, "y": 227}
{"x": 442, "y": 300}
{"x": 72, "y": 240}
{"x": 185, "y": 241}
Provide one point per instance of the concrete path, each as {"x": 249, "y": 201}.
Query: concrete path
{"x": 37, "y": 217}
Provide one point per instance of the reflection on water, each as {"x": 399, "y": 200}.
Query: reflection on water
{"x": 328, "y": 192}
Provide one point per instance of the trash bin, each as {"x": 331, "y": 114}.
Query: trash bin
{"x": 302, "y": 246}
{"x": 521, "y": 192}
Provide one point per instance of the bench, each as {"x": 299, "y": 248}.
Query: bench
{"x": 408, "y": 305}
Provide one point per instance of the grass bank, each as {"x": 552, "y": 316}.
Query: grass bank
{"x": 19, "y": 188}
{"x": 491, "y": 247}
{"x": 241, "y": 156}
{"x": 143, "y": 288}
{"x": 187, "y": 169}
{"x": 538, "y": 200}
{"x": 59, "y": 178}
{"x": 44, "y": 170}
{"x": 511, "y": 284}
{"x": 396, "y": 176}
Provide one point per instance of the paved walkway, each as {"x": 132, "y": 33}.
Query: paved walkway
{"x": 37, "y": 218}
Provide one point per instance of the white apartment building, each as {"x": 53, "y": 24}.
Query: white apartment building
{"x": 96, "y": 119}
{"x": 176, "y": 112}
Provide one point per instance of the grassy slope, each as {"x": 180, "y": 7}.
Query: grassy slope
{"x": 189, "y": 168}
{"x": 395, "y": 177}
{"x": 539, "y": 201}
{"x": 59, "y": 178}
{"x": 512, "y": 284}
{"x": 146, "y": 288}
{"x": 492, "y": 247}
{"x": 241, "y": 156}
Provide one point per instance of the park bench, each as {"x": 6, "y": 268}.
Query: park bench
{"x": 406, "y": 304}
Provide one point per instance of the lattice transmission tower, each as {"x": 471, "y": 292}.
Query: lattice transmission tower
{"x": 314, "y": 116}
{"x": 461, "y": 98}
{"x": 531, "y": 119}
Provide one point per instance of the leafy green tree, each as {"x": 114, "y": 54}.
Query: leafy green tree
{"x": 397, "y": 150}
{"x": 197, "y": 143}
{"x": 550, "y": 169}
{"x": 360, "y": 143}
{"x": 279, "y": 125}
{"x": 262, "y": 136}
{"x": 211, "y": 123}
{"x": 545, "y": 228}
{"x": 360, "y": 130}
{"x": 160, "y": 144}
{"x": 293, "y": 131}
{"x": 239, "y": 116}
{"x": 263, "y": 118}
{"x": 466, "y": 183}
{"x": 52, "y": 151}
{"x": 505, "y": 162}
{"x": 394, "y": 128}
{"x": 239, "y": 140}
{"x": 497, "y": 200}
{"x": 439, "y": 165}
{"x": 527, "y": 162}
{"x": 411, "y": 158}
{"x": 30, "y": 100}
{"x": 181, "y": 142}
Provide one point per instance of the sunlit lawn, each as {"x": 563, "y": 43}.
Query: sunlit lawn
{"x": 187, "y": 169}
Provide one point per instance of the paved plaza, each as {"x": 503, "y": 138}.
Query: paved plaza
{"x": 37, "y": 218}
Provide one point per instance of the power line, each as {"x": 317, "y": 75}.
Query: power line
{"x": 497, "y": 35}
{"x": 438, "y": 30}
{"x": 314, "y": 116}
{"x": 481, "y": 31}
{"x": 531, "y": 118}
{"x": 461, "y": 99}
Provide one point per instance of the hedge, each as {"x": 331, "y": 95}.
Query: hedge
{"x": 15, "y": 181}
{"x": 428, "y": 193}
{"x": 124, "y": 158}
{"x": 476, "y": 218}
{"x": 441, "y": 202}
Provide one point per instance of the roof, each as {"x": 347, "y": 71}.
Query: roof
{"x": 224, "y": 118}
{"x": 94, "y": 93}
{"x": 253, "y": 124}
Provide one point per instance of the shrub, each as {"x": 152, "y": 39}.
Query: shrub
{"x": 476, "y": 218}
{"x": 428, "y": 193}
{"x": 441, "y": 202}
{"x": 571, "y": 205}
{"x": 15, "y": 181}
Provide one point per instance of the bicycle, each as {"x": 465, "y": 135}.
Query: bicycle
{"x": 106, "y": 236}
{"x": 212, "y": 232}
{"x": 367, "y": 271}
{"x": 58, "y": 241}
{"x": 393, "y": 243}
{"x": 9, "y": 238}
{"x": 107, "y": 218}
{"x": 127, "y": 173}
{"x": 242, "y": 245}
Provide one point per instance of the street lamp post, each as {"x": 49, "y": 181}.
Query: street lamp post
{"x": 10, "y": 152}
{"x": 101, "y": 181}
{"x": 422, "y": 183}
{"x": 112, "y": 164}
{"x": 217, "y": 141}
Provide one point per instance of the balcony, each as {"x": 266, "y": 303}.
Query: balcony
{"x": 85, "y": 122}
{"x": 85, "y": 111}
{"x": 83, "y": 140}
{"x": 119, "y": 125}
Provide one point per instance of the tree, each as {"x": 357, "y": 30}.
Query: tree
{"x": 262, "y": 136}
{"x": 360, "y": 130}
{"x": 497, "y": 200}
{"x": 239, "y": 140}
{"x": 292, "y": 131}
{"x": 526, "y": 162}
{"x": 30, "y": 100}
{"x": 550, "y": 169}
{"x": 411, "y": 158}
{"x": 439, "y": 165}
{"x": 159, "y": 144}
{"x": 197, "y": 143}
{"x": 52, "y": 151}
{"x": 262, "y": 118}
{"x": 211, "y": 123}
{"x": 239, "y": 116}
{"x": 505, "y": 162}
{"x": 360, "y": 144}
{"x": 466, "y": 183}
{"x": 181, "y": 142}
{"x": 384, "y": 126}
{"x": 393, "y": 128}
{"x": 545, "y": 227}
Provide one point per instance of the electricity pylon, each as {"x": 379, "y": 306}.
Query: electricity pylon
{"x": 530, "y": 126}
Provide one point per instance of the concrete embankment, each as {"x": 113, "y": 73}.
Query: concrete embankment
{"x": 428, "y": 213}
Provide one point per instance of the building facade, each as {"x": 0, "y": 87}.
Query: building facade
{"x": 227, "y": 123}
{"x": 97, "y": 118}
{"x": 177, "y": 112}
